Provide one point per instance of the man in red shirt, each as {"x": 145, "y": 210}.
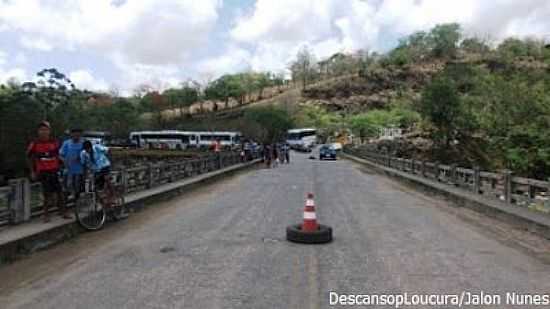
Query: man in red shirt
{"x": 43, "y": 155}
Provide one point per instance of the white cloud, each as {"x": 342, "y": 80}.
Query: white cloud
{"x": 234, "y": 59}
{"x": 274, "y": 28}
{"x": 285, "y": 21}
{"x": 21, "y": 58}
{"x": 3, "y": 57}
{"x": 158, "y": 42}
{"x": 83, "y": 79}
{"x": 17, "y": 74}
{"x": 147, "y": 32}
{"x": 6, "y": 75}
{"x": 133, "y": 35}
{"x": 35, "y": 43}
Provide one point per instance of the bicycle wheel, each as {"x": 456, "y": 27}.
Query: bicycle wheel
{"x": 120, "y": 210}
{"x": 89, "y": 212}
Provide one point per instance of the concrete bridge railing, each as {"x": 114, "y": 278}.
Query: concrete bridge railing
{"x": 503, "y": 186}
{"x": 22, "y": 200}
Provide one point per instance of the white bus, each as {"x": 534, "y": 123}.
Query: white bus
{"x": 97, "y": 137}
{"x": 302, "y": 139}
{"x": 228, "y": 139}
{"x": 168, "y": 139}
{"x": 180, "y": 140}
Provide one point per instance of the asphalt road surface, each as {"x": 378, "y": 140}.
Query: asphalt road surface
{"x": 224, "y": 246}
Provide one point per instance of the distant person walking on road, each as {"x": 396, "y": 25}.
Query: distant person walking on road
{"x": 268, "y": 154}
{"x": 44, "y": 163}
{"x": 275, "y": 150}
{"x": 285, "y": 154}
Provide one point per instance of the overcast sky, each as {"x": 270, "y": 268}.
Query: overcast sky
{"x": 124, "y": 43}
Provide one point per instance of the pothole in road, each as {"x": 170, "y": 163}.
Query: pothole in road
{"x": 167, "y": 249}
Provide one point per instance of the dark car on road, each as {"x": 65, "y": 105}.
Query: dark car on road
{"x": 327, "y": 152}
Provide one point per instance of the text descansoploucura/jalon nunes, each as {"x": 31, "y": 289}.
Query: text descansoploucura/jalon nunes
{"x": 463, "y": 299}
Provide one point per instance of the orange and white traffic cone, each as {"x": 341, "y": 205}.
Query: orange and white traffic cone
{"x": 309, "y": 231}
{"x": 310, "y": 219}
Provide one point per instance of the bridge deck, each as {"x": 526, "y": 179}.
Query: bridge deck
{"x": 223, "y": 247}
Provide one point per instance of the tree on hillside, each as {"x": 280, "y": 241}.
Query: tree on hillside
{"x": 304, "y": 67}
{"x": 182, "y": 98}
{"x": 52, "y": 88}
{"x": 19, "y": 114}
{"x": 261, "y": 81}
{"x": 314, "y": 116}
{"x": 156, "y": 103}
{"x": 418, "y": 45}
{"x": 475, "y": 45}
{"x": 440, "y": 105}
{"x": 266, "y": 124}
{"x": 513, "y": 47}
{"x": 512, "y": 111}
{"x": 445, "y": 38}
{"x": 365, "y": 60}
{"x": 369, "y": 124}
{"x": 224, "y": 88}
{"x": 278, "y": 79}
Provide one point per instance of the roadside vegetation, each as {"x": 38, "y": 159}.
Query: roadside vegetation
{"x": 460, "y": 99}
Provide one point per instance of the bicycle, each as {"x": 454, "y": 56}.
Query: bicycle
{"x": 94, "y": 205}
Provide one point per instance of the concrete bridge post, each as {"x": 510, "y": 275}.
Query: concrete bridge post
{"x": 454, "y": 178}
{"x": 507, "y": 186}
{"x": 423, "y": 168}
{"x": 150, "y": 175}
{"x": 20, "y": 200}
{"x": 477, "y": 180}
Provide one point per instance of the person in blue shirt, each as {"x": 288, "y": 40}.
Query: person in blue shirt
{"x": 94, "y": 158}
{"x": 70, "y": 155}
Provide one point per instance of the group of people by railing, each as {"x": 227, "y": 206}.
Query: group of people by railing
{"x": 60, "y": 168}
{"x": 275, "y": 154}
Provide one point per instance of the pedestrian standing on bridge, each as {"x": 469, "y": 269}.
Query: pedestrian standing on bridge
{"x": 70, "y": 155}
{"x": 275, "y": 150}
{"x": 44, "y": 163}
{"x": 282, "y": 154}
{"x": 217, "y": 151}
{"x": 287, "y": 153}
{"x": 268, "y": 154}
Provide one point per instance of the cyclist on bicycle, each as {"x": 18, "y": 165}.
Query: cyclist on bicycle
{"x": 94, "y": 159}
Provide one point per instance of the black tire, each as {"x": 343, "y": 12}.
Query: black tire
{"x": 323, "y": 235}
{"x": 89, "y": 214}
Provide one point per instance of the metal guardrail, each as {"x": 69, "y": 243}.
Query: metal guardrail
{"x": 5, "y": 193}
{"x": 519, "y": 191}
{"x": 22, "y": 200}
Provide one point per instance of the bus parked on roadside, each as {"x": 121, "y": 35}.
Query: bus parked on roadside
{"x": 228, "y": 139}
{"x": 167, "y": 139}
{"x": 302, "y": 139}
{"x": 97, "y": 137}
{"x": 179, "y": 140}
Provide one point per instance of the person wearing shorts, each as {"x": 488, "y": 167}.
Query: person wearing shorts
{"x": 44, "y": 163}
{"x": 70, "y": 155}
